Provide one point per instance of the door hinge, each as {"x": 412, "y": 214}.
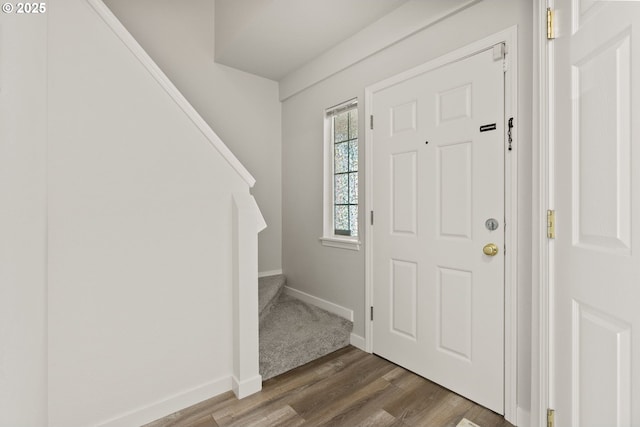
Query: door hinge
{"x": 371, "y": 312}
{"x": 551, "y": 417}
{"x": 371, "y": 121}
{"x": 371, "y": 217}
{"x": 550, "y": 33}
{"x": 551, "y": 224}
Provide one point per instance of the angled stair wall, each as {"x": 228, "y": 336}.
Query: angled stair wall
{"x": 140, "y": 253}
{"x": 243, "y": 109}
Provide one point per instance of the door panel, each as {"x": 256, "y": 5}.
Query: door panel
{"x": 454, "y": 190}
{"x": 404, "y": 281}
{"x": 439, "y": 301}
{"x": 404, "y": 192}
{"x": 602, "y": 113}
{"x": 455, "y": 322}
{"x": 596, "y": 270}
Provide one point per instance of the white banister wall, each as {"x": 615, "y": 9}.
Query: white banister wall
{"x": 23, "y": 263}
{"x": 140, "y": 235}
{"x": 247, "y": 222}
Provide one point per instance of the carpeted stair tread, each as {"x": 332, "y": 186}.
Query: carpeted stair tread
{"x": 295, "y": 333}
{"x": 269, "y": 289}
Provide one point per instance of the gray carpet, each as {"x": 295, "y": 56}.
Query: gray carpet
{"x": 295, "y": 333}
{"x": 269, "y": 290}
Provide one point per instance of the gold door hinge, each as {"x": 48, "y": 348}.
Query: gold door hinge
{"x": 550, "y": 417}
{"x": 551, "y": 224}
{"x": 550, "y": 33}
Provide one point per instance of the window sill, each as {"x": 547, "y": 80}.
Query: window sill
{"x": 342, "y": 243}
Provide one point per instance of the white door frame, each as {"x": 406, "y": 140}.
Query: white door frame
{"x": 542, "y": 251}
{"x": 510, "y": 38}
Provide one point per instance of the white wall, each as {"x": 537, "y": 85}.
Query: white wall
{"x": 403, "y": 22}
{"x": 140, "y": 207}
{"x": 337, "y": 275}
{"x": 23, "y": 330}
{"x": 243, "y": 109}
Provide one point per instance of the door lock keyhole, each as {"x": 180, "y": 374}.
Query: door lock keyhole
{"x": 491, "y": 224}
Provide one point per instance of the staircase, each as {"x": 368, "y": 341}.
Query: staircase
{"x": 293, "y": 332}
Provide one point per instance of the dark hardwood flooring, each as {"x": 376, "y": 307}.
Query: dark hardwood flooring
{"x": 347, "y": 388}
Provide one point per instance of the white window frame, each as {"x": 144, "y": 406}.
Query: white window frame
{"x": 329, "y": 238}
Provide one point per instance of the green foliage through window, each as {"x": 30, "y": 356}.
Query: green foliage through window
{"x": 345, "y": 172}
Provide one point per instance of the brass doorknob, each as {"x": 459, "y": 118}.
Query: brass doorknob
{"x": 490, "y": 249}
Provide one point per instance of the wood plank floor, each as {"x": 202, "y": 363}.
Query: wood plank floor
{"x": 347, "y": 388}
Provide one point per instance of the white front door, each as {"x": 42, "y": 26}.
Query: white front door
{"x": 595, "y": 347}
{"x": 438, "y": 199}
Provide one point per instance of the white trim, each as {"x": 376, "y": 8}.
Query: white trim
{"x": 541, "y": 367}
{"x": 169, "y": 405}
{"x": 357, "y": 341}
{"x": 245, "y": 322}
{"x": 509, "y": 37}
{"x": 343, "y": 107}
{"x": 329, "y": 238}
{"x": 336, "y": 309}
{"x": 336, "y": 242}
{"x": 523, "y": 417}
{"x": 368, "y": 207}
{"x": 511, "y": 231}
{"x": 247, "y": 387}
{"x": 121, "y": 32}
{"x": 269, "y": 273}
{"x": 327, "y": 180}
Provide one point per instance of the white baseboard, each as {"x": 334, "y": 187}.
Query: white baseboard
{"x": 523, "y": 417}
{"x": 358, "y": 341}
{"x": 162, "y": 408}
{"x": 269, "y": 273}
{"x": 247, "y": 387}
{"x": 336, "y": 309}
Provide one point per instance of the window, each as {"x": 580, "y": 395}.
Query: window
{"x": 341, "y": 176}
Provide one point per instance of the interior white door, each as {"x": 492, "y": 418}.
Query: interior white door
{"x": 438, "y": 298}
{"x": 596, "y": 269}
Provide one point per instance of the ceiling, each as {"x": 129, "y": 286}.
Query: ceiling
{"x": 272, "y": 38}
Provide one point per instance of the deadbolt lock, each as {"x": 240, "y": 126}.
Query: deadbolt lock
{"x": 490, "y": 249}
